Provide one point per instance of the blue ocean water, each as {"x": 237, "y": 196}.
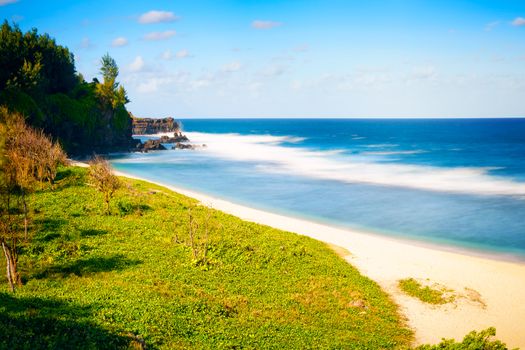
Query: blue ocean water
{"x": 454, "y": 182}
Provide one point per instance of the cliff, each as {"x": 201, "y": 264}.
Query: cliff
{"x": 147, "y": 126}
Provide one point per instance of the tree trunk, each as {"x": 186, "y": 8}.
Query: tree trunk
{"x": 25, "y": 216}
{"x": 9, "y": 269}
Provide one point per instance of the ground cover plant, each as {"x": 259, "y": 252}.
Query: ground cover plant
{"x": 93, "y": 280}
{"x": 425, "y": 293}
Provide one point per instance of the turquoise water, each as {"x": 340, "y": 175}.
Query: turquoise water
{"x": 458, "y": 182}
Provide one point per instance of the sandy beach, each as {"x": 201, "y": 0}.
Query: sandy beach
{"x": 489, "y": 292}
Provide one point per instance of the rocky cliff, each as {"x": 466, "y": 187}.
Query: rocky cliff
{"x": 148, "y": 126}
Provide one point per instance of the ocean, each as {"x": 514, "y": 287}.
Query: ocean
{"x": 456, "y": 183}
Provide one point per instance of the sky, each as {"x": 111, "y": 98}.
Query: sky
{"x": 297, "y": 58}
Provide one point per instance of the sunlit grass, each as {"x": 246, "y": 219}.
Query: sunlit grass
{"x": 105, "y": 281}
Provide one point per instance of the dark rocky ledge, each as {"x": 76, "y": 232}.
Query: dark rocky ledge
{"x": 148, "y": 126}
{"x": 178, "y": 140}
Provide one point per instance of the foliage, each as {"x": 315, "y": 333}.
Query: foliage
{"x": 108, "y": 69}
{"x": 33, "y": 60}
{"x": 19, "y": 101}
{"x": 102, "y": 178}
{"x": 93, "y": 278}
{"x": 38, "y": 80}
{"x": 472, "y": 341}
{"x": 426, "y": 294}
{"x": 111, "y": 95}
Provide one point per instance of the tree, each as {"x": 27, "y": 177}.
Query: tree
{"x": 29, "y": 58}
{"x": 102, "y": 178}
{"x": 38, "y": 79}
{"x": 27, "y": 157}
{"x": 109, "y": 68}
{"x": 111, "y": 95}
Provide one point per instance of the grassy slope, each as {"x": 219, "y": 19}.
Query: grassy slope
{"x": 92, "y": 280}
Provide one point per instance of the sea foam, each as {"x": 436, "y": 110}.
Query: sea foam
{"x": 272, "y": 155}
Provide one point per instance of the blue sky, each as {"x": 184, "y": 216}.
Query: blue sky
{"x": 325, "y": 58}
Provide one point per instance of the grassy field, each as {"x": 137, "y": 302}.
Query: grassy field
{"x": 98, "y": 281}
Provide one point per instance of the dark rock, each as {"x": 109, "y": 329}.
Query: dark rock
{"x": 180, "y": 145}
{"x": 148, "y": 126}
{"x": 150, "y": 145}
{"x": 178, "y": 140}
{"x": 177, "y": 137}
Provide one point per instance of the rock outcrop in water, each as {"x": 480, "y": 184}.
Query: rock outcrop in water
{"x": 150, "y": 145}
{"x": 148, "y": 126}
{"x": 178, "y": 140}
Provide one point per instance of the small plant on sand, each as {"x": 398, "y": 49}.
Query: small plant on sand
{"x": 199, "y": 235}
{"x": 102, "y": 178}
{"x": 473, "y": 340}
{"x": 424, "y": 293}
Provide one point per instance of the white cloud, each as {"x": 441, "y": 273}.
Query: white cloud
{"x": 200, "y": 83}
{"x": 258, "y": 24}
{"x": 167, "y": 55}
{"x": 274, "y": 70}
{"x": 7, "y": 2}
{"x": 424, "y": 73}
{"x": 120, "y": 41}
{"x": 155, "y": 16}
{"x": 149, "y": 81}
{"x": 153, "y": 36}
{"x": 301, "y": 48}
{"x": 231, "y": 67}
{"x": 519, "y": 22}
{"x": 491, "y": 26}
{"x": 86, "y": 43}
{"x": 150, "y": 85}
{"x": 255, "y": 86}
{"x": 182, "y": 54}
{"x": 137, "y": 65}
{"x": 296, "y": 84}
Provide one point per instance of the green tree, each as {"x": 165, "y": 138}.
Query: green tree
{"x": 29, "y": 59}
{"x": 111, "y": 95}
{"x": 109, "y": 68}
{"x": 38, "y": 79}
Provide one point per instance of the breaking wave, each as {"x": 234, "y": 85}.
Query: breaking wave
{"x": 272, "y": 155}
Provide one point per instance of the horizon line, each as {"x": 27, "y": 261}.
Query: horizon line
{"x": 321, "y": 117}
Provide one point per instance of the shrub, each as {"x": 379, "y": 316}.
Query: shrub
{"x": 472, "y": 341}
{"x": 102, "y": 178}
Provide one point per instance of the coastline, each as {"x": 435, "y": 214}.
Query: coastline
{"x": 489, "y": 292}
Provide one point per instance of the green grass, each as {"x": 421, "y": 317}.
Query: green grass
{"x": 98, "y": 281}
{"x": 426, "y": 294}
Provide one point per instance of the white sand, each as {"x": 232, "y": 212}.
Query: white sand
{"x": 500, "y": 284}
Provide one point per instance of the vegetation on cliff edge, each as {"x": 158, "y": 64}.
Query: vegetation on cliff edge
{"x": 38, "y": 79}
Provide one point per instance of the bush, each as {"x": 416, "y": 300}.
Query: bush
{"x": 472, "y": 341}
{"x": 102, "y": 178}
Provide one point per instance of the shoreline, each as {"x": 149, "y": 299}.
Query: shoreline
{"x": 489, "y": 292}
